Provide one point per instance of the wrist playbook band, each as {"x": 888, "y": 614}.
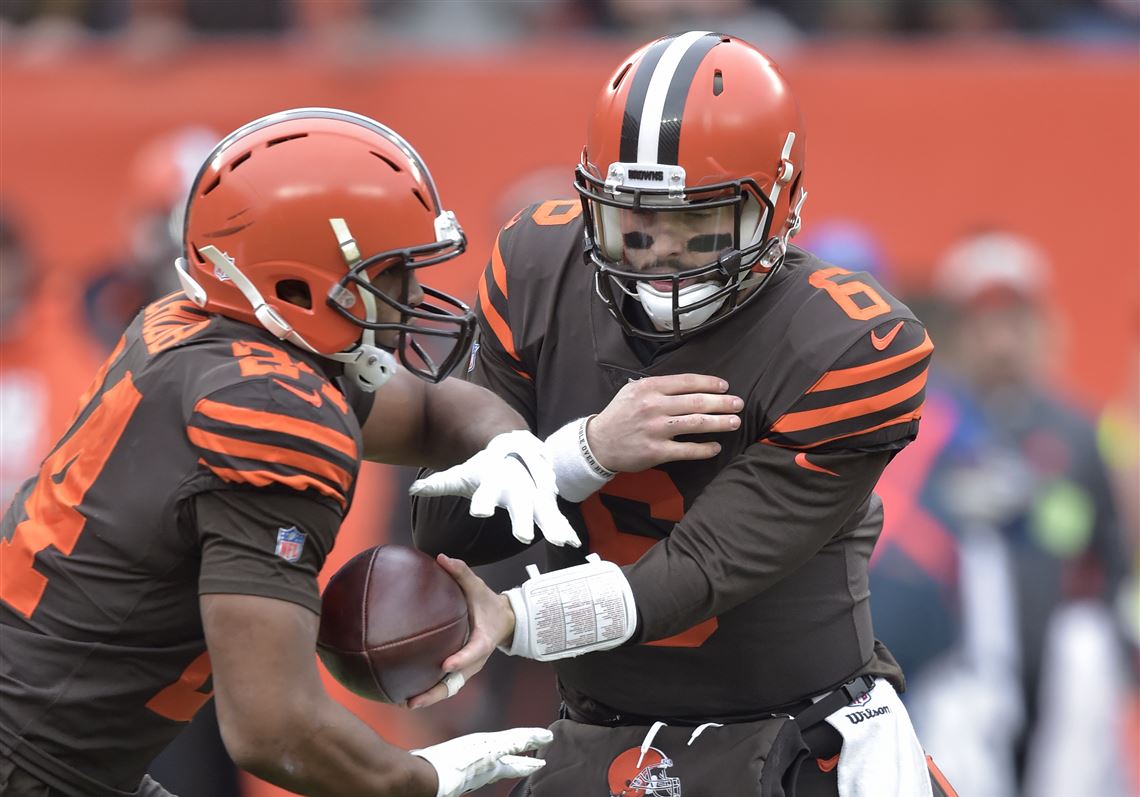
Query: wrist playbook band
{"x": 573, "y": 611}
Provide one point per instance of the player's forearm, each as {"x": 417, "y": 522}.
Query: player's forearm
{"x": 329, "y": 753}
{"x": 753, "y": 525}
{"x": 460, "y": 419}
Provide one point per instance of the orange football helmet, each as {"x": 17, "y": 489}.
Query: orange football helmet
{"x": 642, "y": 773}
{"x": 697, "y": 132}
{"x": 292, "y": 217}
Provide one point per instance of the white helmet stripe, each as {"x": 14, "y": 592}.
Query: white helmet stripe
{"x": 649, "y": 134}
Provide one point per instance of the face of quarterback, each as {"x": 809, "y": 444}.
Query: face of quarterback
{"x": 666, "y": 242}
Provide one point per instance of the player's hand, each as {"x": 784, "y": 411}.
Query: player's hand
{"x": 492, "y": 624}
{"x": 471, "y": 762}
{"x": 511, "y": 472}
{"x": 636, "y": 429}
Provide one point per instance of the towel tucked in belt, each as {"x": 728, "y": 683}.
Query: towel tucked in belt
{"x": 881, "y": 756}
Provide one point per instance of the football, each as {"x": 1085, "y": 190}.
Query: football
{"x": 389, "y": 618}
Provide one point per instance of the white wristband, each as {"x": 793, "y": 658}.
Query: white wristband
{"x": 573, "y": 611}
{"x": 577, "y": 472}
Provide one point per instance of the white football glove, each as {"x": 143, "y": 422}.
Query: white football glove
{"x": 471, "y": 762}
{"x": 512, "y": 472}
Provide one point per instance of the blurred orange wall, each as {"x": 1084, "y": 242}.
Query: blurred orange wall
{"x": 921, "y": 142}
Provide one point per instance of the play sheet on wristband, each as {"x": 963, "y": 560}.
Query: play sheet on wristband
{"x": 577, "y": 612}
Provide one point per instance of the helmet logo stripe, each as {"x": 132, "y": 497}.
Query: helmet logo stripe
{"x": 666, "y": 71}
{"x": 669, "y": 142}
{"x": 639, "y": 85}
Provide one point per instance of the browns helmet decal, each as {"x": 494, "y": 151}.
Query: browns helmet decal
{"x": 642, "y": 773}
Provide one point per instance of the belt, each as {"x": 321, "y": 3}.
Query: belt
{"x": 853, "y": 690}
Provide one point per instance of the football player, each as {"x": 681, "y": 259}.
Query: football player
{"x": 168, "y": 549}
{"x": 744, "y": 574}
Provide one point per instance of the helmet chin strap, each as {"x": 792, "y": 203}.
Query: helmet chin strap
{"x": 368, "y": 365}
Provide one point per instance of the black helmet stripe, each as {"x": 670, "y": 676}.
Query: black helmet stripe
{"x": 635, "y": 102}
{"x": 651, "y": 126}
{"x": 669, "y": 142}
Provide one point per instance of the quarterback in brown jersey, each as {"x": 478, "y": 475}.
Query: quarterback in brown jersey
{"x": 168, "y": 548}
{"x": 743, "y": 576}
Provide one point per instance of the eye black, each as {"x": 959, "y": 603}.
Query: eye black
{"x": 710, "y": 242}
{"x": 637, "y": 240}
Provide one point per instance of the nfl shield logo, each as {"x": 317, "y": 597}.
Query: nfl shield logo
{"x": 290, "y": 543}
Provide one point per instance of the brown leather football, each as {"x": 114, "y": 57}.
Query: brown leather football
{"x": 389, "y": 618}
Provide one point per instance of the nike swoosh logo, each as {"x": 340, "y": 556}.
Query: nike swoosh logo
{"x": 803, "y": 462}
{"x": 311, "y": 396}
{"x": 61, "y": 474}
{"x": 883, "y": 342}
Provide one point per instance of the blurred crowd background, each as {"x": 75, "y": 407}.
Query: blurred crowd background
{"x": 980, "y": 157}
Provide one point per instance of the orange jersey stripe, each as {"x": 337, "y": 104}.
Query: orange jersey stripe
{"x": 904, "y": 418}
{"x": 808, "y": 419}
{"x": 274, "y": 422}
{"x": 269, "y": 453}
{"x": 263, "y": 478}
{"x": 846, "y": 377}
{"x": 500, "y": 327}
{"x": 499, "y": 268}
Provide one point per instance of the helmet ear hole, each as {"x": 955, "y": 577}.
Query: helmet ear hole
{"x": 295, "y": 292}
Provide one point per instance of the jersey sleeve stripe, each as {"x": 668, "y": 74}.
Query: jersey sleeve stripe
{"x": 499, "y": 327}
{"x": 277, "y": 423}
{"x": 264, "y": 478}
{"x": 262, "y": 452}
{"x": 800, "y": 421}
{"x": 843, "y": 395}
{"x": 848, "y": 377}
{"x": 906, "y": 418}
{"x": 499, "y": 268}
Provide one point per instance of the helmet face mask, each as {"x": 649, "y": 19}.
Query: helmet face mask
{"x": 680, "y": 253}
{"x": 340, "y": 210}
{"x": 439, "y": 316}
{"x": 698, "y": 124}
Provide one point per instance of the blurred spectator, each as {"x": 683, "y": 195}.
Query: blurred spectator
{"x": 45, "y": 362}
{"x": 158, "y": 179}
{"x": 464, "y": 25}
{"x": 21, "y": 393}
{"x": 1025, "y": 696}
{"x": 762, "y": 23}
{"x": 82, "y": 16}
{"x": 148, "y": 29}
{"x": 157, "y": 28}
{"x": 1119, "y": 434}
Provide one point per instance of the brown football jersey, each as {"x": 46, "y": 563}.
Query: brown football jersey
{"x": 749, "y": 569}
{"x": 207, "y": 457}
